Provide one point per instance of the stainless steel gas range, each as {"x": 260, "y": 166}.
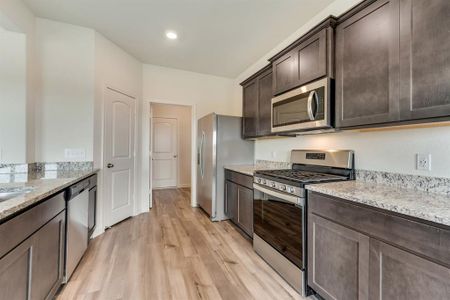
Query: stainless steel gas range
{"x": 280, "y": 204}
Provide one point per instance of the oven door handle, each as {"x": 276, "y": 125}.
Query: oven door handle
{"x": 289, "y": 198}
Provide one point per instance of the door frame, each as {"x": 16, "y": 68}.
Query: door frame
{"x": 178, "y": 147}
{"x": 105, "y": 213}
{"x": 146, "y": 138}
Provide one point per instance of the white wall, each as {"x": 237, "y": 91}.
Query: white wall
{"x": 384, "y": 150}
{"x": 184, "y": 119}
{"x": 13, "y": 86}
{"x": 15, "y": 16}
{"x": 208, "y": 93}
{"x": 65, "y": 110}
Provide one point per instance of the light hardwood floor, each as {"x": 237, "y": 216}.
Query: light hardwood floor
{"x": 174, "y": 252}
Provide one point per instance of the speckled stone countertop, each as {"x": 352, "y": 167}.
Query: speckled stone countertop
{"x": 260, "y": 165}
{"x": 243, "y": 169}
{"x": 423, "y": 205}
{"x": 44, "y": 184}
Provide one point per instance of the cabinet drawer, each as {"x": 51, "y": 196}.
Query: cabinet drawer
{"x": 421, "y": 238}
{"x": 239, "y": 178}
{"x": 14, "y": 231}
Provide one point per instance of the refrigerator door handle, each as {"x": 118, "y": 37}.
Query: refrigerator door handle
{"x": 202, "y": 159}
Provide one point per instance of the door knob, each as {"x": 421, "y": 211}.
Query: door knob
{"x": 109, "y": 166}
{"x": 175, "y": 156}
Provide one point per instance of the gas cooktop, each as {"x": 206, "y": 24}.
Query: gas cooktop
{"x": 300, "y": 176}
{"x": 308, "y": 167}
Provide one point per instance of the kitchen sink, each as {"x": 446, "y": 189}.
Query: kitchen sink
{"x": 12, "y": 192}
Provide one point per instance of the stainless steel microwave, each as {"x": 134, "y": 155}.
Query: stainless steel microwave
{"x": 305, "y": 108}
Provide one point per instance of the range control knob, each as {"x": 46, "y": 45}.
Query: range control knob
{"x": 283, "y": 187}
{"x": 259, "y": 180}
{"x": 264, "y": 181}
{"x": 291, "y": 189}
{"x": 273, "y": 184}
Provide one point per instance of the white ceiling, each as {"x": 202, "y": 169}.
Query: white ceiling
{"x": 218, "y": 37}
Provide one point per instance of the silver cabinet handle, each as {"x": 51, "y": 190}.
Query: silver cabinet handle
{"x": 110, "y": 165}
{"x": 312, "y": 97}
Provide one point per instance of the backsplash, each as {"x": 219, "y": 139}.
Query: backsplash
{"x": 24, "y": 172}
{"x": 416, "y": 182}
{"x": 268, "y": 164}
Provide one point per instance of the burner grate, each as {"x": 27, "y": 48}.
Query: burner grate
{"x": 302, "y": 176}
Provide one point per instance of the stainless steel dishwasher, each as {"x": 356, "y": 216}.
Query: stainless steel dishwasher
{"x": 77, "y": 207}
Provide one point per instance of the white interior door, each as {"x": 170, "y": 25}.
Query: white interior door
{"x": 165, "y": 156}
{"x": 118, "y": 156}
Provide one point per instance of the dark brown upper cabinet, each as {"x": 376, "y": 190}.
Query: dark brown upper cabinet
{"x": 367, "y": 66}
{"x": 265, "y": 103}
{"x": 307, "y": 59}
{"x": 393, "y": 63}
{"x": 257, "y": 99}
{"x": 424, "y": 59}
{"x": 250, "y": 109}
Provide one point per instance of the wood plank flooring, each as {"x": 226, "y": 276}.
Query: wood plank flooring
{"x": 174, "y": 252}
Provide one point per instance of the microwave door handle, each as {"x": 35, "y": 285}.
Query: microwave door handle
{"x": 312, "y": 97}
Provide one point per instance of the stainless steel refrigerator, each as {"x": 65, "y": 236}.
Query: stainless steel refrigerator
{"x": 220, "y": 143}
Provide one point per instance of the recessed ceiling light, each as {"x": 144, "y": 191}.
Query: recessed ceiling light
{"x": 171, "y": 35}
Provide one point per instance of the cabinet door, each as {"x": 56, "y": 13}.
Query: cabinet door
{"x": 338, "y": 260}
{"x": 231, "y": 201}
{"x": 15, "y": 272}
{"x": 424, "y": 59}
{"x": 397, "y": 274}
{"x": 34, "y": 269}
{"x": 245, "y": 209}
{"x": 250, "y": 109}
{"x": 367, "y": 66}
{"x": 285, "y": 72}
{"x": 265, "y": 103}
{"x": 312, "y": 58}
{"x": 48, "y": 258}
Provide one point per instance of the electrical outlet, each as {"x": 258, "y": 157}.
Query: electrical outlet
{"x": 423, "y": 162}
{"x": 75, "y": 154}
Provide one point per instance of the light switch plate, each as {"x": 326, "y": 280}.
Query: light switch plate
{"x": 75, "y": 154}
{"x": 423, "y": 162}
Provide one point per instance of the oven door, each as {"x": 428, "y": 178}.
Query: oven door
{"x": 307, "y": 107}
{"x": 279, "y": 220}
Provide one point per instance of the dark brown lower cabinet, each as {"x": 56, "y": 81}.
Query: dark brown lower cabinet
{"x": 399, "y": 274}
{"x": 245, "y": 209}
{"x": 338, "y": 263}
{"x": 239, "y": 200}
{"x": 231, "y": 209}
{"x": 48, "y": 258}
{"x": 357, "y": 252}
{"x": 34, "y": 268}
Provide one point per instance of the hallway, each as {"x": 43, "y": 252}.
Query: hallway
{"x": 174, "y": 252}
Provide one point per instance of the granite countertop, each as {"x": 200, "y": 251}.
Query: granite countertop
{"x": 243, "y": 169}
{"x": 250, "y": 169}
{"x": 44, "y": 184}
{"x": 423, "y": 205}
